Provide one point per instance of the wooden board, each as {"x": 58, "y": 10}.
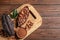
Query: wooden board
{"x": 36, "y": 24}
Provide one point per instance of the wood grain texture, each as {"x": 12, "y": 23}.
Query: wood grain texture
{"x": 45, "y": 34}
{"x": 50, "y": 23}
{"x": 4, "y": 2}
{"x": 48, "y": 9}
{"x": 35, "y": 1}
{"x": 44, "y": 10}
{"x": 30, "y": 1}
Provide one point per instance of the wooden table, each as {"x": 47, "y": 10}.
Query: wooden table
{"x": 50, "y": 12}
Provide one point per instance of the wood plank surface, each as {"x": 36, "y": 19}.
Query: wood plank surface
{"x": 30, "y": 1}
{"x": 45, "y": 34}
{"x": 4, "y": 2}
{"x": 44, "y": 10}
{"x": 48, "y": 9}
{"x": 50, "y": 23}
{"x": 35, "y": 1}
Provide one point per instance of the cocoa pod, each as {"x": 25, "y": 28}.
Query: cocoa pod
{"x": 8, "y": 25}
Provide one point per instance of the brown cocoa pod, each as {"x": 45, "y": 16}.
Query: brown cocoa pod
{"x": 8, "y": 25}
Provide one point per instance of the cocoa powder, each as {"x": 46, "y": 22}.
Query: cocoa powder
{"x": 21, "y": 32}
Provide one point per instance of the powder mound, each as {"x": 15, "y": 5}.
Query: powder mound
{"x": 21, "y": 32}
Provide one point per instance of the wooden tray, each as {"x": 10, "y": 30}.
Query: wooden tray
{"x": 36, "y": 21}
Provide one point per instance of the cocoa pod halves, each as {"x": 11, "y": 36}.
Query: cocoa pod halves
{"x": 8, "y": 25}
